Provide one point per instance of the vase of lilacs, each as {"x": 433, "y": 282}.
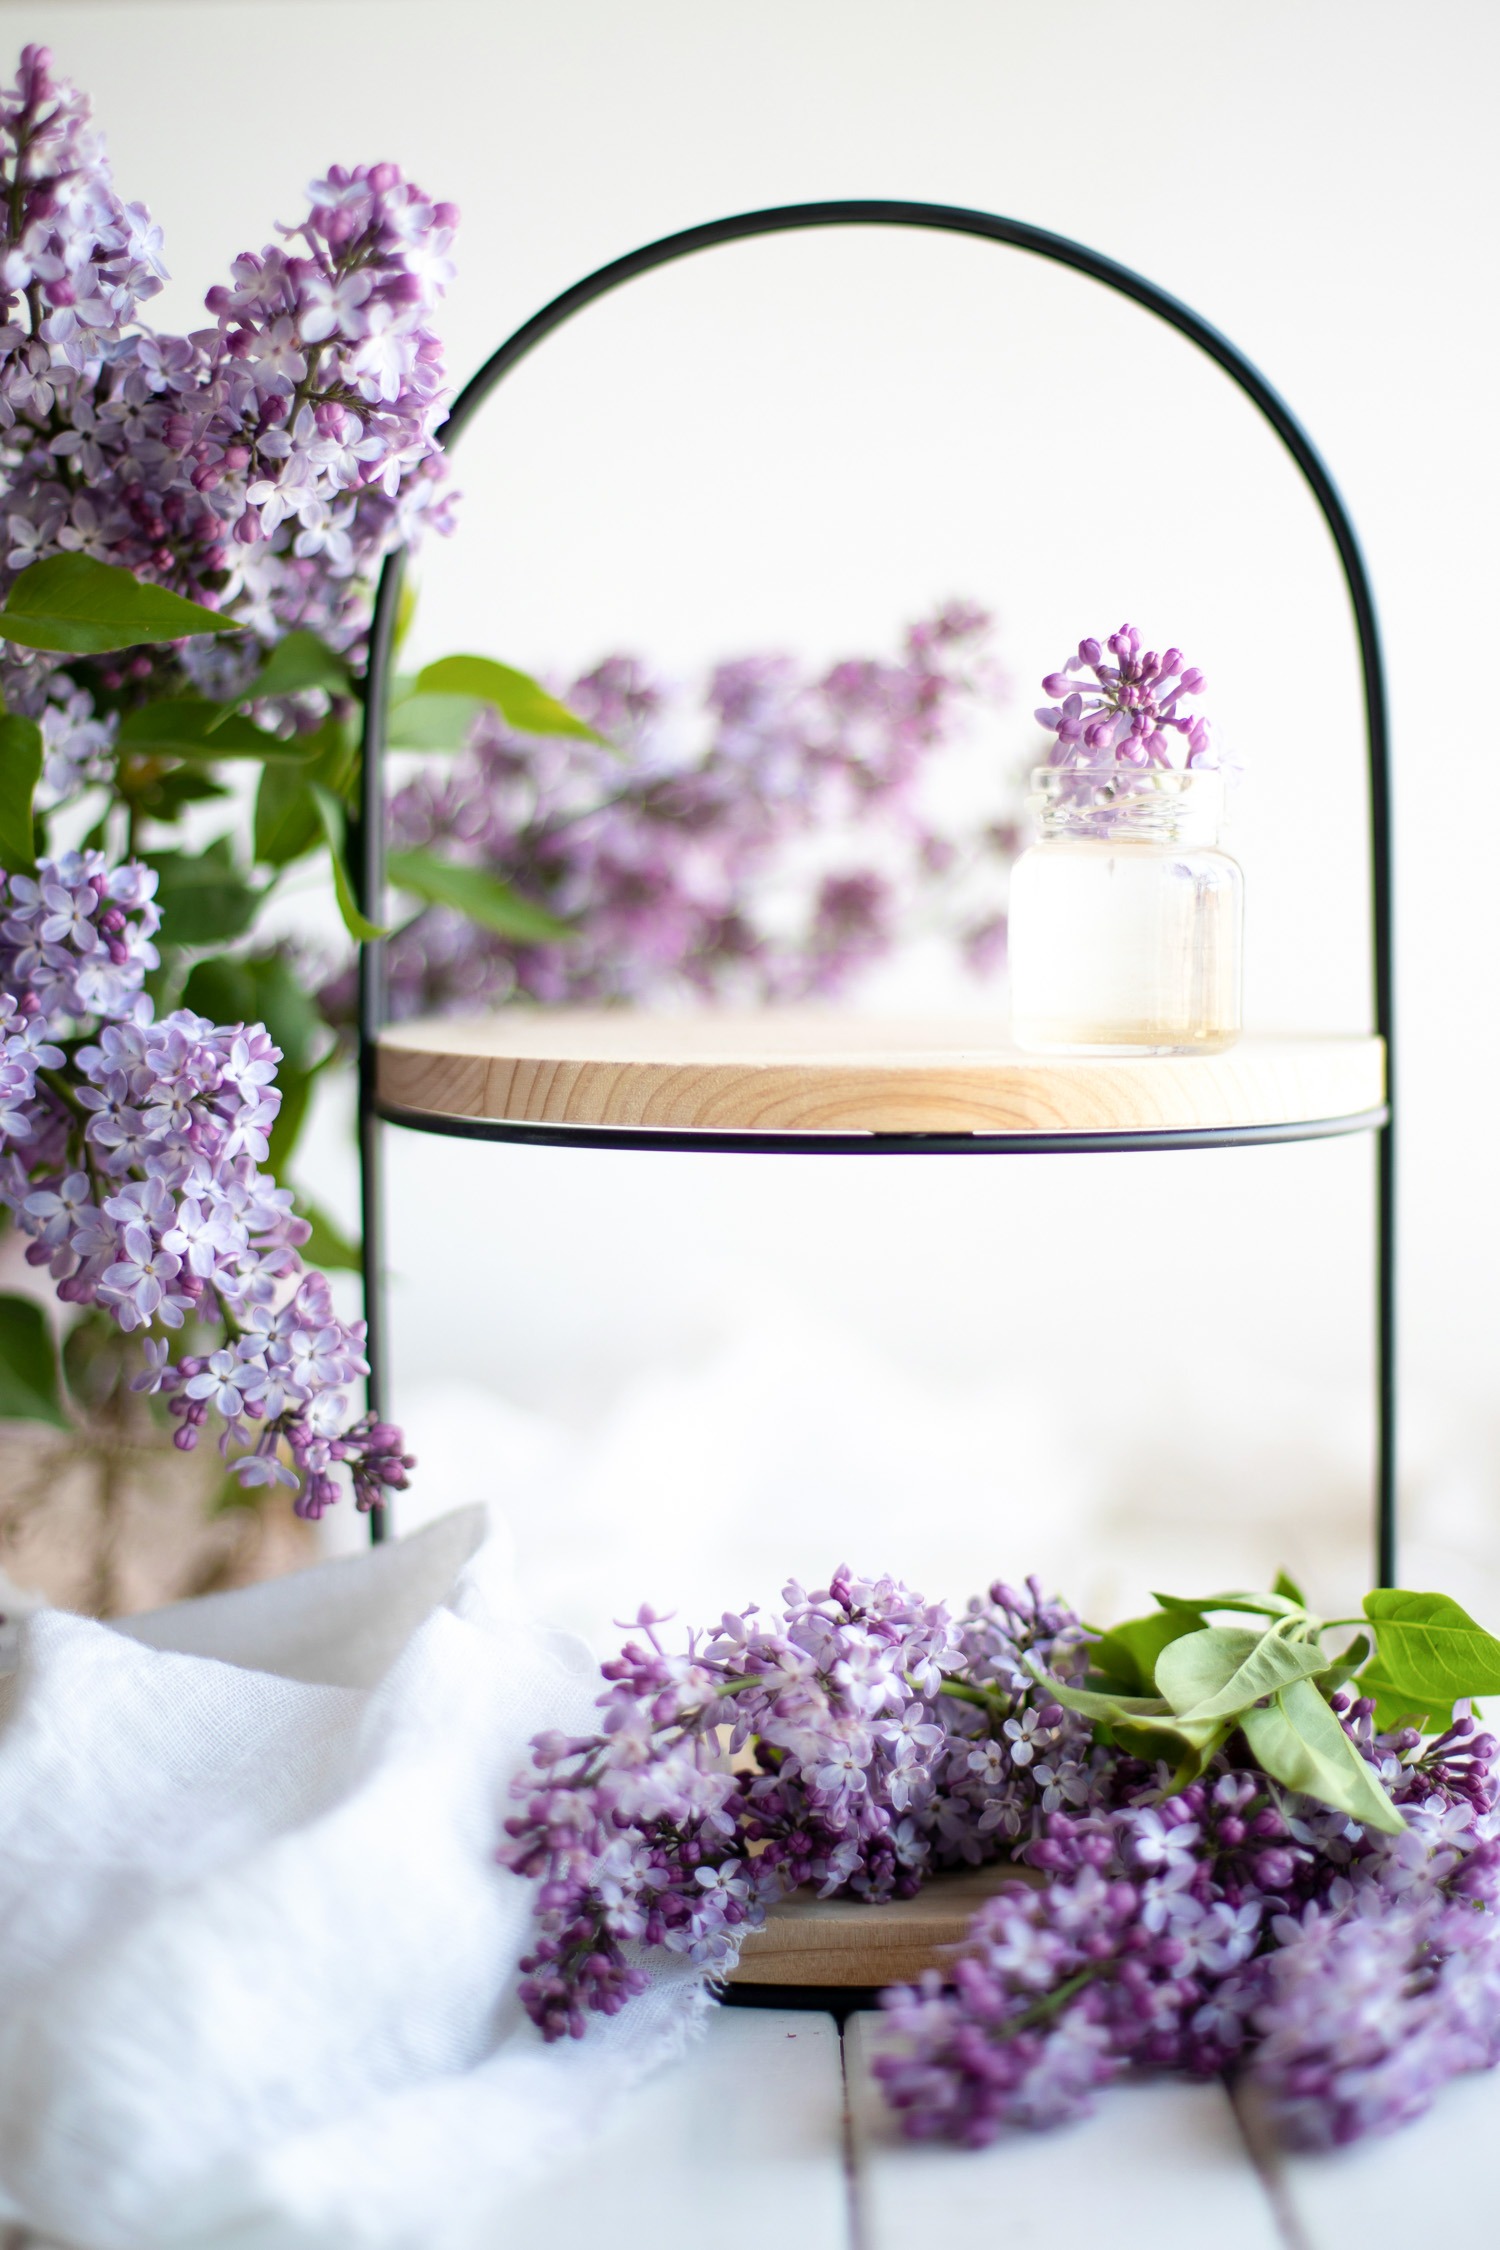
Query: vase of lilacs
{"x": 1126, "y": 912}
{"x": 1243, "y": 1839}
{"x": 191, "y": 528}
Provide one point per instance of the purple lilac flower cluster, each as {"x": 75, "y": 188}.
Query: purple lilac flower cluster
{"x": 865, "y": 1739}
{"x": 1350, "y": 1974}
{"x": 1130, "y": 714}
{"x": 856, "y": 1742}
{"x": 674, "y": 862}
{"x": 129, "y": 1153}
{"x": 261, "y": 466}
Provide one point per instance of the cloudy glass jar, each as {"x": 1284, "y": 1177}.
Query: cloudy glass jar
{"x": 1125, "y": 915}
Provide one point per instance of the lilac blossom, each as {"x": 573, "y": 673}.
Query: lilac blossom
{"x": 690, "y": 858}
{"x": 864, "y": 1739}
{"x": 129, "y": 1154}
{"x": 833, "y": 1746}
{"x": 1348, "y": 1973}
{"x": 1388, "y": 1986}
{"x": 1128, "y": 714}
{"x": 77, "y": 747}
{"x": 262, "y": 465}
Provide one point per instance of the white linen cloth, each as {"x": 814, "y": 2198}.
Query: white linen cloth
{"x": 257, "y": 1964}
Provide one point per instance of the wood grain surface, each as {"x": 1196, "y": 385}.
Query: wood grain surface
{"x": 795, "y": 1070}
{"x": 830, "y": 1941}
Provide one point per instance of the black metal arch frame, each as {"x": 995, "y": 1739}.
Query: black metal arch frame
{"x": 370, "y": 856}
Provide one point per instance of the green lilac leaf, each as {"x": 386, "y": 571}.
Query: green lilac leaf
{"x": 334, "y": 754}
{"x": 190, "y": 726}
{"x": 286, "y": 817}
{"x": 1094, "y": 1705}
{"x": 1397, "y": 1704}
{"x": 1224, "y": 1669}
{"x": 327, "y": 1247}
{"x": 29, "y": 1389}
{"x": 1128, "y": 1652}
{"x": 20, "y": 771}
{"x": 1282, "y": 1584}
{"x": 432, "y": 722}
{"x": 331, "y": 814}
{"x": 203, "y": 900}
{"x": 1253, "y": 1605}
{"x": 1432, "y": 1647}
{"x": 1345, "y": 1666}
{"x": 1297, "y": 1740}
{"x": 406, "y": 610}
{"x": 298, "y": 663}
{"x": 473, "y": 892}
{"x": 163, "y": 795}
{"x": 259, "y": 988}
{"x": 287, "y": 821}
{"x": 1189, "y": 1765}
{"x": 1151, "y": 1712}
{"x": 522, "y": 702}
{"x": 1111, "y": 1709}
{"x": 85, "y": 608}
{"x": 94, "y": 1360}
{"x": 296, "y": 1099}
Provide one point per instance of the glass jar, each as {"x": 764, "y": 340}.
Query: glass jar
{"x": 1125, "y": 916}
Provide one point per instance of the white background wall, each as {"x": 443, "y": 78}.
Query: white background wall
{"x": 683, "y": 1377}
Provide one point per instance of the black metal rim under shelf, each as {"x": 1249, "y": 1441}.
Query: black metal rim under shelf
{"x": 837, "y": 2000}
{"x": 704, "y": 1141}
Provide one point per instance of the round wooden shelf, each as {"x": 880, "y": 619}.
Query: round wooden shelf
{"x": 810, "y": 1075}
{"x": 841, "y": 1941}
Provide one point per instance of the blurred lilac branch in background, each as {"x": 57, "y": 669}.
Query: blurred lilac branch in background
{"x": 767, "y": 845}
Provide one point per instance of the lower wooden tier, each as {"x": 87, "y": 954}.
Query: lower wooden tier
{"x": 839, "y": 1941}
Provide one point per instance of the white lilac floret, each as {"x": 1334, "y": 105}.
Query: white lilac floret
{"x": 130, "y": 1154}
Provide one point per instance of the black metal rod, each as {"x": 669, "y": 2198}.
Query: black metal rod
{"x": 1386, "y": 1496}
{"x": 706, "y": 1141}
{"x": 1038, "y": 242}
{"x": 369, "y": 875}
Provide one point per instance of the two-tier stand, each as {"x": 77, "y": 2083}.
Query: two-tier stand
{"x": 792, "y": 1083}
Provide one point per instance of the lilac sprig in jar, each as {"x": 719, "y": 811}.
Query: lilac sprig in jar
{"x": 1126, "y": 915}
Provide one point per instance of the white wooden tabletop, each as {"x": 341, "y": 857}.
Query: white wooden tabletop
{"x": 773, "y": 2125}
{"x": 772, "y": 2129}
